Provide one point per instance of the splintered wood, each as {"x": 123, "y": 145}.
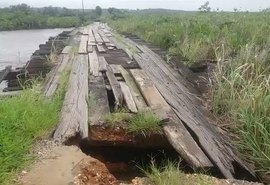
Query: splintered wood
{"x": 74, "y": 115}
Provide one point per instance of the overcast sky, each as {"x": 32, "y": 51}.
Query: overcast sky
{"x": 251, "y": 5}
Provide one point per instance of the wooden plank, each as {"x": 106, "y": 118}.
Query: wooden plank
{"x": 92, "y": 44}
{"x": 53, "y": 78}
{"x": 136, "y": 94}
{"x": 91, "y": 38}
{"x": 67, "y": 50}
{"x": 195, "y": 117}
{"x": 149, "y": 91}
{"x": 101, "y": 49}
{"x": 83, "y": 44}
{"x": 85, "y": 31}
{"x": 74, "y": 115}
{"x": 97, "y": 37}
{"x": 128, "y": 97}
{"x": 4, "y": 73}
{"x": 94, "y": 64}
{"x": 98, "y": 101}
{"x": 118, "y": 96}
{"x": 175, "y": 131}
{"x": 104, "y": 37}
{"x": 90, "y": 49}
{"x": 102, "y": 64}
{"x": 115, "y": 68}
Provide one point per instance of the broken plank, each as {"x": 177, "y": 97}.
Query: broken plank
{"x": 128, "y": 97}
{"x": 101, "y": 49}
{"x": 98, "y": 101}
{"x": 102, "y": 64}
{"x": 83, "y": 44}
{"x": 137, "y": 96}
{"x": 175, "y": 131}
{"x": 74, "y": 114}
{"x": 94, "y": 65}
{"x": 118, "y": 96}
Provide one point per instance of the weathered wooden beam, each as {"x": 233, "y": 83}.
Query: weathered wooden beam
{"x": 175, "y": 131}
{"x": 137, "y": 96}
{"x": 128, "y": 97}
{"x": 101, "y": 49}
{"x": 74, "y": 115}
{"x": 94, "y": 64}
{"x": 83, "y": 44}
{"x": 118, "y": 96}
{"x": 53, "y": 77}
{"x": 195, "y": 117}
{"x": 98, "y": 101}
{"x": 102, "y": 64}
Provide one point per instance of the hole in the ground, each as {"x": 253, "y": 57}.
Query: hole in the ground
{"x": 126, "y": 163}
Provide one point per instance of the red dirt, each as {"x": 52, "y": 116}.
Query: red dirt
{"x": 91, "y": 171}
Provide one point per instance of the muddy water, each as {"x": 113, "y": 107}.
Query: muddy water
{"x": 16, "y": 47}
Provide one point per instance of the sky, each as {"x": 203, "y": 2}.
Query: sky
{"x": 226, "y": 5}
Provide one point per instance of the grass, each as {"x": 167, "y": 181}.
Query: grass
{"x": 170, "y": 174}
{"x": 141, "y": 123}
{"x": 144, "y": 122}
{"x": 239, "y": 42}
{"x": 23, "y": 120}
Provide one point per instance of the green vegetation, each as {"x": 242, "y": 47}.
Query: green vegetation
{"x": 24, "y": 17}
{"x": 23, "y": 120}
{"x": 171, "y": 174}
{"x": 141, "y": 123}
{"x": 144, "y": 122}
{"x": 239, "y": 43}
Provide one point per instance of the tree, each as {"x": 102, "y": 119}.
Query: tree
{"x": 98, "y": 11}
{"x": 205, "y": 7}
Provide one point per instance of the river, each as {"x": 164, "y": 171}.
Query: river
{"x": 16, "y": 47}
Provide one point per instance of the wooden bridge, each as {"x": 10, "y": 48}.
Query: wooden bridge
{"x": 123, "y": 72}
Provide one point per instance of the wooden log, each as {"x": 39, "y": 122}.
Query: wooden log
{"x": 83, "y": 44}
{"x": 136, "y": 94}
{"x": 94, "y": 64}
{"x": 102, "y": 64}
{"x": 4, "y": 73}
{"x": 67, "y": 50}
{"x": 53, "y": 78}
{"x": 175, "y": 131}
{"x": 74, "y": 115}
{"x": 128, "y": 97}
{"x": 91, "y": 38}
{"x": 118, "y": 96}
{"x": 98, "y": 101}
{"x": 101, "y": 49}
{"x": 196, "y": 119}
